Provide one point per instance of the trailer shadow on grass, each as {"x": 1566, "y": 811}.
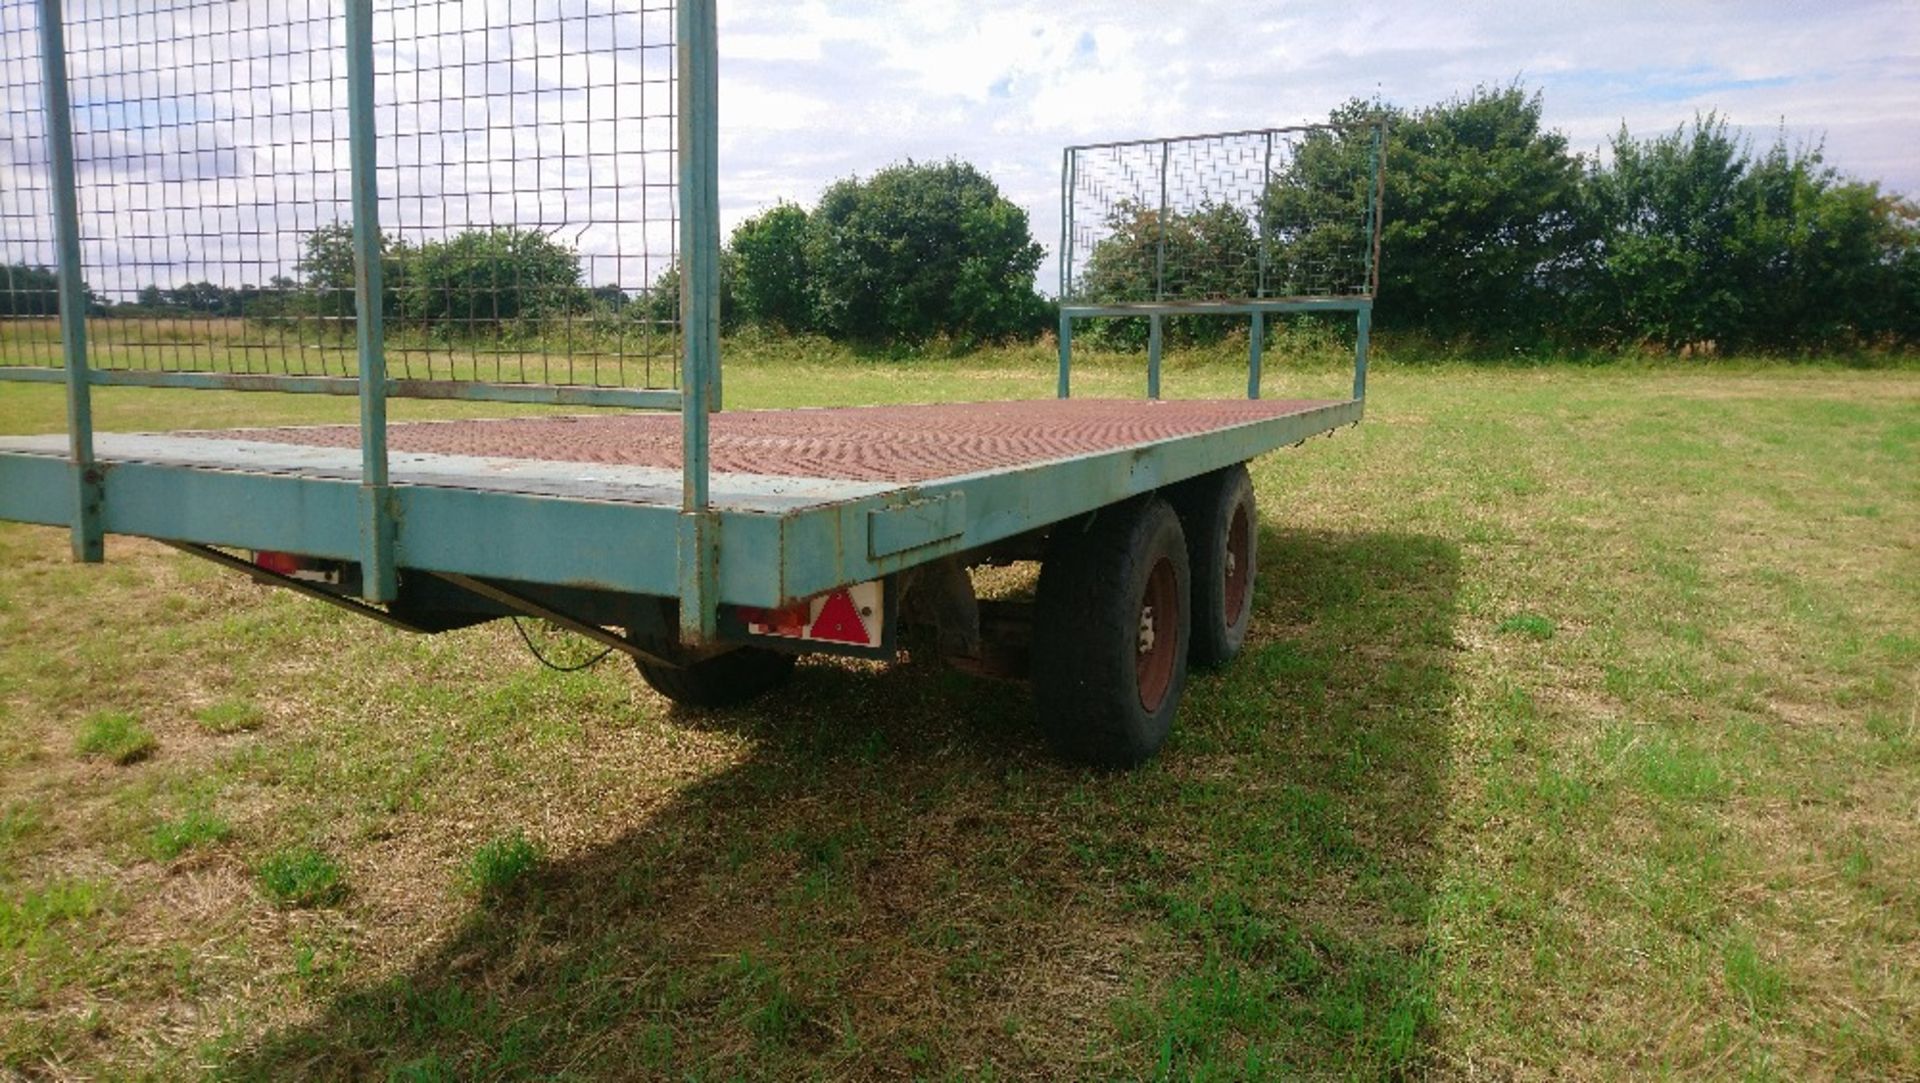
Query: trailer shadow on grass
{"x": 900, "y": 882}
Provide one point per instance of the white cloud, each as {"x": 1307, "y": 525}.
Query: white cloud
{"x": 1006, "y": 84}
{"x": 813, "y": 91}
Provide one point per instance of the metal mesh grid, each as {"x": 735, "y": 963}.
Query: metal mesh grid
{"x": 1272, "y": 214}
{"x": 29, "y": 298}
{"x": 527, "y": 182}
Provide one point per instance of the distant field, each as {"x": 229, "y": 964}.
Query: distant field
{"x": 1577, "y": 737}
{"x": 584, "y": 350}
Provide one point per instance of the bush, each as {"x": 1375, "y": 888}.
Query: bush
{"x": 484, "y": 280}
{"x": 919, "y": 251}
{"x": 772, "y": 285}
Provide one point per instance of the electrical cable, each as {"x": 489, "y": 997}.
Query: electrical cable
{"x": 528, "y": 640}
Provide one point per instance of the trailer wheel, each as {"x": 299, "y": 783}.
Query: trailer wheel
{"x": 1223, "y": 544}
{"x": 725, "y": 680}
{"x": 1110, "y": 633}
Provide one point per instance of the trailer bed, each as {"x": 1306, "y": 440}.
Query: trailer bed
{"x": 809, "y": 499}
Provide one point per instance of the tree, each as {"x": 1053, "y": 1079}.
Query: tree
{"x": 771, "y": 283}
{"x": 659, "y": 304}
{"x": 27, "y": 290}
{"x": 1318, "y": 238}
{"x": 1209, "y": 254}
{"x": 482, "y": 279}
{"x": 1481, "y": 215}
{"x": 1666, "y": 208}
{"x": 922, "y": 250}
{"x": 325, "y": 268}
{"x": 1701, "y": 240}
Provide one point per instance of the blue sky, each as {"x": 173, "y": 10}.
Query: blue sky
{"x": 814, "y": 91}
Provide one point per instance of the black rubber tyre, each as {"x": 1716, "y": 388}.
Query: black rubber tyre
{"x": 1109, "y": 659}
{"x": 1223, "y": 546}
{"x": 725, "y": 680}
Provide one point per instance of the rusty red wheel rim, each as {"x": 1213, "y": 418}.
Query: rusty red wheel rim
{"x": 1158, "y": 646}
{"x": 1239, "y": 565}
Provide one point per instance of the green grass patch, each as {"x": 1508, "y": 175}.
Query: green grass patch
{"x": 301, "y": 877}
{"x": 1529, "y": 625}
{"x": 194, "y": 828}
{"x": 114, "y": 736}
{"x": 500, "y": 863}
{"x": 28, "y": 915}
{"x": 230, "y": 716}
{"x": 1574, "y": 735}
{"x": 19, "y": 824}
{"x": 1760, "y": 986}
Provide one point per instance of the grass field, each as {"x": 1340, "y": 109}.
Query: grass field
{"x": 1576, "y": 737}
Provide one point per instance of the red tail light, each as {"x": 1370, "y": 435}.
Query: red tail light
{"x": 278, "y": 563}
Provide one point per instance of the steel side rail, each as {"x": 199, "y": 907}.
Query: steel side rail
{"x": 275, "y": 579}
{"x": 770, "y": 558}
{"x": 468, "y": 390}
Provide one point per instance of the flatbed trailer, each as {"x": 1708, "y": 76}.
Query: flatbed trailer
{"x": 713, "y": 546}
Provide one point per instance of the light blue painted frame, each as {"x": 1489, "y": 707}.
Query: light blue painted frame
{"x": 773, "y": 555}
{"x": 1255, "y": 308}
{"x": 89, "y": 542}
{"x": 377, "y": 507}
{"x": 770, "y": 557}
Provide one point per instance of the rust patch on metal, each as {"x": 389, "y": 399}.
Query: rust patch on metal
{"x": 867, "y": 443}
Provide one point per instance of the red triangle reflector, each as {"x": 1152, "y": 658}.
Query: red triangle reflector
{"x": 840, "y": 622}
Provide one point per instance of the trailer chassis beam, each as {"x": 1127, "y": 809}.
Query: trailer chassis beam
{"x": 522, "y": 604}
{"x": 275, "y": 579}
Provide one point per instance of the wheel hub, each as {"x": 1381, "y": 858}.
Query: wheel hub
{"x": 1158, "y": 646}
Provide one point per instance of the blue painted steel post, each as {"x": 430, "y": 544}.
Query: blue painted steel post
{"x": 1160, "y": 246}
{"x": 1266, "y": 180}
{"x": 1376, "y": 199}
{"x": 89, "y": 544}
{"x": 1364, "y": 321}
{"x": 1153, "y": 356}
{"x": 699, "y": 131}
{"x": 1256, "y": 339}
{"x": 1066, "y": 272}
{"x": 1159, "y": 279}
{"x": 378, "y": 580}
{"x": 1066, "y": 354}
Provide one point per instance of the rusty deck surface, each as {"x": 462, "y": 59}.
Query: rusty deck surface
{"x": 887, "y": 444}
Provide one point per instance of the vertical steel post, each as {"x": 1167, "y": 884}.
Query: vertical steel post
{"x": 1256, "y": 339}
{"x": 699, "y": 132}
{"x": 1066, "y": 222}
{"x": 1364, "y": 329}
{"x": 1159, "y": 279}
{"x": 1066, "y": 272}
{"x": 1266, "y": 183}
{"x": 378, "y": 580}
{"x": 1066, "y": 355}
{"x": 1376, "y": 200}
{"x": 1153, "y": 356}
{"x": 1160, "y": 249}
{"x": 89, "y": 542}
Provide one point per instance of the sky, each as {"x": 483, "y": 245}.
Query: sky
{"x": 212, "y": 138}
{"x": 811, "y": 92}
